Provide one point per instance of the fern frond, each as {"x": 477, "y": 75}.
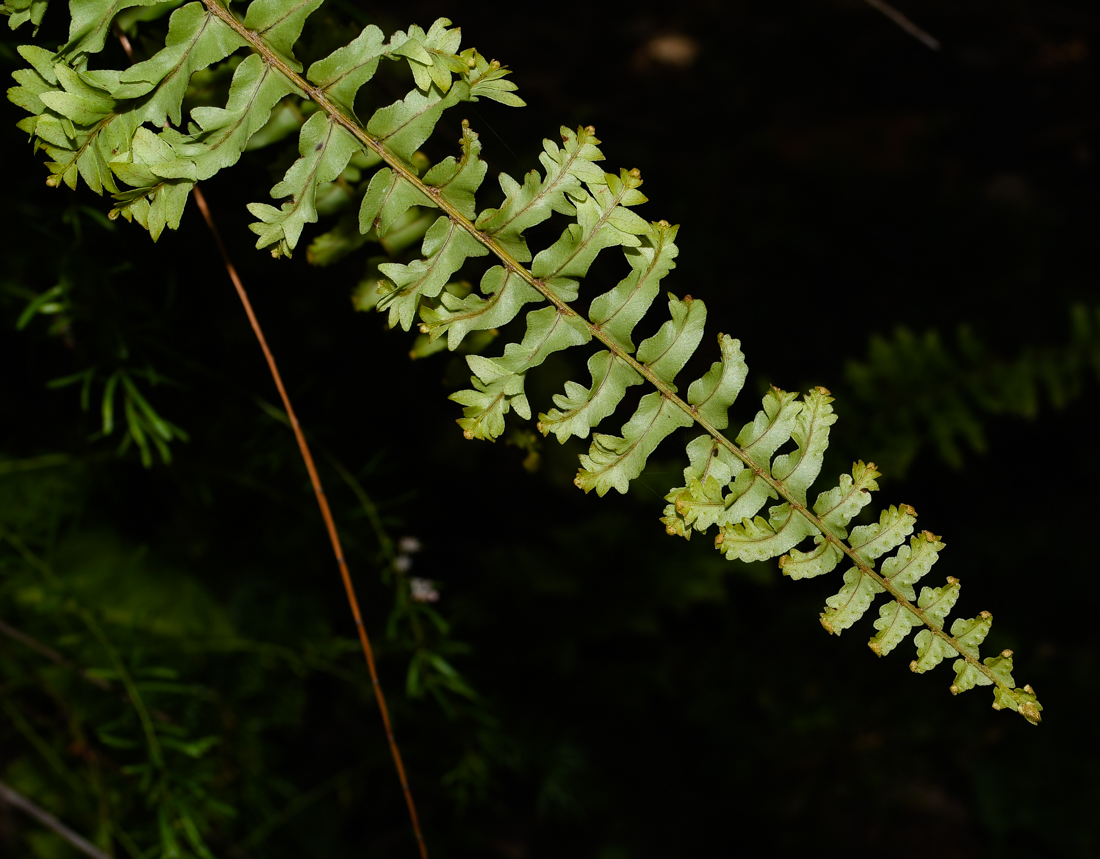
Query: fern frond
{"x": 918, "y": 386}
{"x": 95, "y": 124}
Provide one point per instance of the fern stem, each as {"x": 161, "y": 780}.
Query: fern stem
{"x": 905, "y": 24}
{"x": 17, "y": 800}
{"x": 396, "y": 164}
{"x": 326, "y": 514}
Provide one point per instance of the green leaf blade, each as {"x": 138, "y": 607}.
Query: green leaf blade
{"x": 612, "y": 462}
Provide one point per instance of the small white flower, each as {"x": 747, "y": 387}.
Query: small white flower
{"x": 402, "y": 563}
{"x": 409, "y": 545}
{"x": 423, "y": 590}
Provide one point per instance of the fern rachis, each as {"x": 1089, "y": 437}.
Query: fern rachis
{"x": 96, "y": 125}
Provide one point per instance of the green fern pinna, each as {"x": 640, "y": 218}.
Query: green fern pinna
{"x": 124, "y": 132}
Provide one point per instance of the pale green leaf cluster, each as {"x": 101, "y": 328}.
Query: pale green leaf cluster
{"x": 123, "y": 131}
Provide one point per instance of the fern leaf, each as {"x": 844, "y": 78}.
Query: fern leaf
{"x": 152, "y": 201}
{"x": 875, "y": 540}
{"x": 487, "y": 80}
{"x": 533, "y": 202}
{"x": 21, "y": 11}
{"x": 771, "y": 427}
{"x": 196, "y": 40}
{"x": 758, "y": 441}
{"x": 617, "y": 312}
{"x": 507, "y": 293}
{"x": 91, "y": 21}
{"x": 342, "y": 73}
{"x": 78, "y": 101}
{"x": 834, "y": 508}
{"x": 701, "y": 503}
{"x": 1022, "y": 701}
{"x": 388, "y": 197}
{"x": 901, "y": 570}
{"x": 32, "y": 83}
{"x": 77, "y": 148}
{"x": 969, "y": 634}
{"x": 602, "y": 222}
{"x": 612, "y": 462}
{"x": 325, "y": 149}
{"x": 798, "y": 470}
{"x": 583, "y": 408}
{"x": 936, "y": 604}
{"x": 446, "y": 247}
{"x": 279, "y": 23}
{"x": 218, "y": 136}
{"x": 758, "y": 540}
{"x": 665, "y": 353}
{"x": 712, "y": 395}
{"x": 499, "y": 383}
{"x": 457, "y": 181}
{"x": 839, "y": 505}
{"x": 404, "y": 126}
{"x": 931, "y": 651}
{"x": 846, "y": 607}
{"x": 431, "y": 55}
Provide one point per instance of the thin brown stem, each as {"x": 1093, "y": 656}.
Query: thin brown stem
{"x": 51, "y": 654}
{"x": 17, "y": 800}
{"x": 326, "y": 514}
{"x": 903, "y": 22}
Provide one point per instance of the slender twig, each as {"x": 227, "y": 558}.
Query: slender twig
{"x": 17, "y": 800}
{"x": 51, "y": 654}
{"x": 322, "y": 500}
{"x": 903, "y": 22}
{"x": 326, "y": 514}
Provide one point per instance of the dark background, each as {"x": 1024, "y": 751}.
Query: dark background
{"x": 639, "y": 697}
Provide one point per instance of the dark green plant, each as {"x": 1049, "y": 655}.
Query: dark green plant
{"x": 960, "y": 384}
